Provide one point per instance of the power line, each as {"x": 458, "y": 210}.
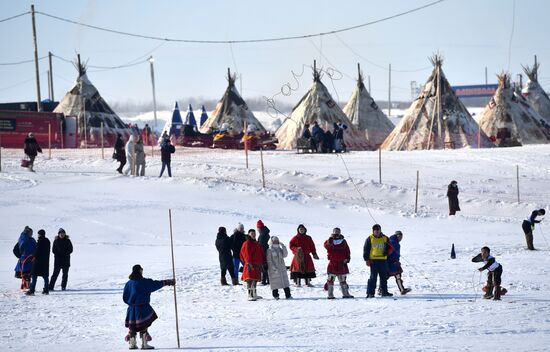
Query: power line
{"x": 20, "y": 62}
{"x": 244, "y": 40}
{"x": 14, "y": 17}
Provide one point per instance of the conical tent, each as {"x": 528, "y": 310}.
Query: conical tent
{"x": 437, "y": 119}
{"x": 509, "y": 119}
{"x": 173, "y": 127}
{"x": 232, "y": 112}
{"x": 317, "y": 105}
{"x": 204, "y": 115}
{"x": 365, "y": 114}
{"x": 190, "y": 117}
{"x": 84, "y": 102}
{"x": 535, "y": 94}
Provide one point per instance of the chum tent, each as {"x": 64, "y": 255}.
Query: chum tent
{"x": 535, "y": 94}
{"x": 204, "y": 116}
{"x": 232, "y": 113}
{"x": 190, "y": 117}
{"x": 317, "y": 105}
{"x": 365, "y": 114}
{"x": 509, "y": 119}
{"x": 174, "y": 126}
{"x": 84, "y": 103}
{"x": 436, "y": 119}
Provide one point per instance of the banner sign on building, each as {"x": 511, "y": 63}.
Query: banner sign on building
{"x": 479, "y": 90}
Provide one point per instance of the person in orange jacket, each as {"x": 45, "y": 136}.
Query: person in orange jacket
{"x": 253, "y": 257}
{"x": 302, "y": 266}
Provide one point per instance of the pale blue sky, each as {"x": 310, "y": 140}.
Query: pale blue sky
{"x": 471, "y": 34}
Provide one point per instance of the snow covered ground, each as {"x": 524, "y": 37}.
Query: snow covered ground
{"x": 117, "y": 221}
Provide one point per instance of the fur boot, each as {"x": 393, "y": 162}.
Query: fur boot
{"x": 345, "y": 290}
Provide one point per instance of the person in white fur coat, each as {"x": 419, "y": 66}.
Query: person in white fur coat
{"x": 276, "y": 267}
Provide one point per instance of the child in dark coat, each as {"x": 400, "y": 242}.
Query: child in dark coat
{"x": 140, "y": 315}
{"x": 494, "y": 276}
{"x": 40, "y": 263}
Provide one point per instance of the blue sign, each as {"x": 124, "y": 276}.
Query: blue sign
{"x": 479, "y": 90}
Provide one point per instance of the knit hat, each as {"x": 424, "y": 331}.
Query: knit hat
{"x": 240, "y": 227}
{"x": 376, "y": 227}
{"x": 41, "y": 233}
{"x": 259, "y": 224}
{"x": 60, "y": 231}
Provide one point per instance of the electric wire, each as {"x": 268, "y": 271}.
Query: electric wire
{"x": 14, "y": 17}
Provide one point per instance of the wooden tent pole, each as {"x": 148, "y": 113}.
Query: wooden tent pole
{"x": 174, "y": 276}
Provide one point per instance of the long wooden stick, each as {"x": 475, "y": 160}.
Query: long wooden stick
{"x": 174, "y": 276}
{"x": 262, "y": 164}
{"x": 416, "y": 198}
{"x": 517, "y": 178}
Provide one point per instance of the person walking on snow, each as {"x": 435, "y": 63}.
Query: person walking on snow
{"x": 62, "y": 248}
{"x": 263, "y": 238}
{"x": 375, "y": 252}
{"x": 31, "y": 149}
{"x": 166, "y": 151}
{"x": 529, "y": 225}
{"x": 223, "y": 245}
{"x": 140, "y": 315}
{"x": 494, "y": 276}
{"x": 24, "y": 250}
{"x": 252, "y": 256}
{"x": 40, "y": 263}
{"x": 276, "y": 267}
{"x": 119, "y": 154}
{"x": 131, "y": 155}
{"x": 394, "y": 265}
{"x": 140, "y": 157}
{"x": 237, "y": 240}
{"x": 302, "y": 266}
{"x": 338, "y": 258}
{"x": 452, "y": 194}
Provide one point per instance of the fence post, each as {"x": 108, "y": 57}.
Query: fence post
{"x": 102, "y": 150}
{"x": 517, "y": 178}
{"x": 416, "y": 199}
{"x": 380, "y": 165}
{"x": 50, "y": 140}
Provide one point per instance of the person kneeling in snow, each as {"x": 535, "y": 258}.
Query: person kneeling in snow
{"x": 338, "y": 258}
{"x": 140, "y": 315}
{"x": 493, "y": 276}
{"x": 252, "y": 256}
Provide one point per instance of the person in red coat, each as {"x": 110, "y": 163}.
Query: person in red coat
{"x": 302, "y": 265}
{"x": 253, "y": 257}
{"x": 338, "y": 258}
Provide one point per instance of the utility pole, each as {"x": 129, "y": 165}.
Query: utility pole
{"x": 486, "y": 82}
{"x": 51, "y": 75}
{"x": 389, "y": 92}
{"x": 151, "y": 60}
{"x": 49, "y": 86}
{"x": 38, "y": 98}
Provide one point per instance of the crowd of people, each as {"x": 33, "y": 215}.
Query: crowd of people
{"x": 262, "y": 260}
{"x": 325, "y": 141}
{"x": 33, "y": 260}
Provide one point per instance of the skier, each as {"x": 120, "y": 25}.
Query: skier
{"x": 338, "y": 256}
{"x": 223, "y": 245}
{"x": 24, "y": 250}
{"x": 62, "y": 248}
{"x": 140, "y": 315}
{"x": 119, "y": 154}
{"x": 394, "y": 266}
{"x": 302, "y": 266}
{"x": 529, "y": 225}
{"x": 253, "y": 258}
{"x": 237, "y": 239}
{"x": 40, "y": 263}
{"x": 166, "y": 151}
{"x": 375, "y": 253}
{"x": 452, "y": 194}
{"x": 131, "y": 156}
{"x": 31, "y": 149}
{"x": 263, "y": 238}
{"x": 493, "y": 276}
{"x": 140, "y": 157}
{"x": 276, "y": 267}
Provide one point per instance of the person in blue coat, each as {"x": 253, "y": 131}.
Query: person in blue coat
{"x": 394, "y": 266}
{"x": 24, "y": 250}
{"x": 140, "y": 315}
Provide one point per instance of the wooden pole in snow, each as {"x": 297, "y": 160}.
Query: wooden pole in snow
{"x": 262, "y": 164}
{"x": 102, "y": 144}
{"x": 36, "y": 67}
{"x": 389, "y": 91}
{"x": 49, "y": 140}
{"x": 245, "y": 137}
{"x": 380, "y": 165}
{"x": 478, "y": 136}
{"x": 517, "y": 178}
{"x": 416, "y": 199}
{"x": 174, "y": 276}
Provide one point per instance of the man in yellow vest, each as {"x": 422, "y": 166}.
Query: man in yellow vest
{"x": 375, "y": 253}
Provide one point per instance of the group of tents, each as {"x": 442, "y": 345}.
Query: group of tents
{"x": 436, "y": 119}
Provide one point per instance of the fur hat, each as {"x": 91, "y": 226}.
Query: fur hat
{"x": 259, "y": 224}
{"x": 240, "y": 227}
{"x": 273, "y": 240}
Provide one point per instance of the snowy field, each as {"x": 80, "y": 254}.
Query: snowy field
{"x": 117, "y": 221}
